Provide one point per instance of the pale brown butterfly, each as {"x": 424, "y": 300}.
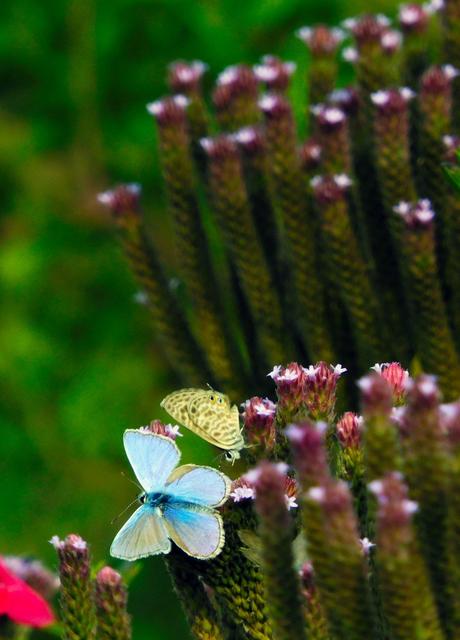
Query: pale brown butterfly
{"x": 210, "y": 415}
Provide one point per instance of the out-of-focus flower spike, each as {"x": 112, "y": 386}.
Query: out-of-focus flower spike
{"x": 289, "y": 196}
{"x": 323, "y": 43}
{"x": 435, "y": 107}
{"x": 307, "y": 444}
{"x": 274, "y": 74}
{"x": 78, "y": 613}
{"x": 113, "y": 622}
{"x": 203, "y": 620}
{"x": 407, "y": 596}
{"x": 333, "y": 136}
{"x": 34, "y": 573}
{"x": 237, "y": 586}
{"x": 340, "y": 565}
{"x": 231, "y": 205}
{"x": 451, "y": 33}
{"x": 185, "y": 78}
{"x": 235, "y": 98}
{"x": 316, "y": 620}
{"x": 426, "y": 470}
{"x": 348, "y": 267}
{"x": 281, "y": 581}
{"x": 251, "y": 143}
{"x": 435, "y": 345}
{"x": 180, "y": 347}
{"x": 392, "y": 151}
{"x": 377, "y": 51}
{"x": 414, "y": 21}
{"x": 381, "y": 449}
{"x": 191, "y": 241}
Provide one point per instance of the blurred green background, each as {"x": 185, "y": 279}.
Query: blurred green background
{"x": 77, "y": 360}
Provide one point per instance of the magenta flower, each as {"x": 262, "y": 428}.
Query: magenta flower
{"x": 21, "y": 603}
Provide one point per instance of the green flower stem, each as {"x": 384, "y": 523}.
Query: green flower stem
{"x": 425, "y": 467}
{"x": 290, "y": 200}
{"x": 185, "y": 78}
{"x": 78, "y": 612}
{"x": 238, "y": 586}
{"x": 231, "y": 205}
{"x": 113, "y": 622}
{"x": 169, "y": 322}
{"x": 337, "y": 556}
{"x": 322, "y": 43}
{"x": 381, "y": 447}
{"x": 201, "y": 614}
{"x": 404, "y": 586}
{"x": 235, "y": 98}
{"x": 281, "y": 581}
{"x": 451, "y": 15}
{"x": 191, "y": 243}
{"x": 349, "y": 269}
{"x": 435, "y": 345}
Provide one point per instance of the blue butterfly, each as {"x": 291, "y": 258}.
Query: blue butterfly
{"x": 177, "y": 504}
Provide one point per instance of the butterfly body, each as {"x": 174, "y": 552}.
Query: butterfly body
{"x": 177, "y": 504}
{"x": 210, "y": 415}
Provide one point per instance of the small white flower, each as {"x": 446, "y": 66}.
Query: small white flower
{"x": 304, "y": 33}
{"x": 448, "y": 141}
{"x": 434, "y": 6}
{"x": 376, "y": 487}
{"x": 246, "y": 135}
{"x": 366, "y": 545}
{"x": 350, "y": 54}
{"x": 316, "y": 494}
{"x": 267, "y": 102}
{"x": 264, "y": 410}
{"x": 227, "y": 76}
{"x": 315, "y": 182}
{"x": 391, "y": 40}
{"x": 333, "y": 115}
{"x": 282, "y": 468}
{"x": 409, "y": 506}
{"x": 242, "y": 493}
{"x": 403, "y": 208}
{"x": 338, "y": 369}
{"x": 343, "y": 181}
{"x": 252, "y": 475}
{"x": 274, "y": 373}
{"x": 311, "y": 371}
{"x": 380, "y": 98}
{"x": 409, "y": 15}
{"x": 291, "y": 502}
{"x": 428, "y": 386}
{"x": 265, "y": 73}
{"x": 350, "y": 23}
{"x": 407, "y": 93}
{"x": 378, "y": 368}
{"x": 289, "y": 375}
{"x": 450, "y": 71}
{"x": 172, "y": 430}
{"x": 382, "y": 20}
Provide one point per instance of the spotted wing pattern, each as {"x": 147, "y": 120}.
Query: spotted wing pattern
{"x": 208, "y": 414}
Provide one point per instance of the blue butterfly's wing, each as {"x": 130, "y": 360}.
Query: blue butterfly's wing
{"x": 201, "y": 485}
{"x": 151, "y": 456}
{"x": 197, "y": 530}
{"x": 144, "y": 534}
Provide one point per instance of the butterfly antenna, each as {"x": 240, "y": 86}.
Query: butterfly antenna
{"x": 219, "y": 458}
{"x": 132, "y": 481}
{"x": 210, "y": 387}
{"x": 124, "y": 511}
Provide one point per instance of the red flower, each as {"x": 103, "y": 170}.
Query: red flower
{"x": 20, "y": 602}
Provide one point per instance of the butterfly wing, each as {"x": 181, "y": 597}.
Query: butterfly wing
{"x": 176, "y": 404}
{"x": 216, "y": 422}
{"x": 144, "y": 534}
{"x": 151, "y": 456}
{"x": 198, "y": 531}
{"x": 199, "y": 485}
